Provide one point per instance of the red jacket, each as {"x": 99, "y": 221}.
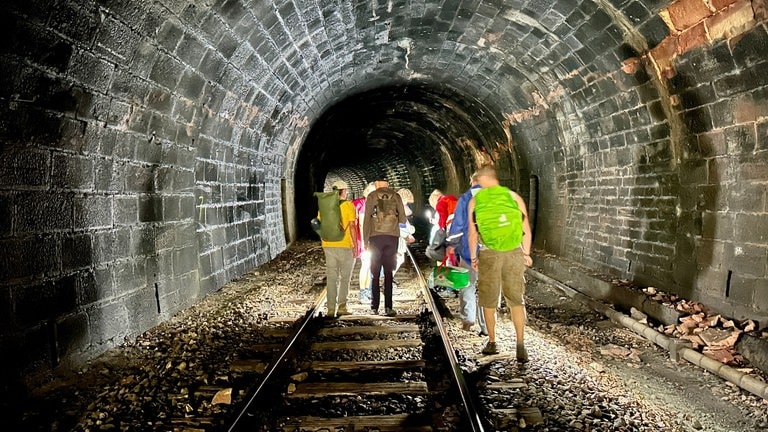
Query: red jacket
{"x": 446, "y": 205}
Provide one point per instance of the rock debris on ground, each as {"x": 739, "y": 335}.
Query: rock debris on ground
{"x": 585, "y": 373}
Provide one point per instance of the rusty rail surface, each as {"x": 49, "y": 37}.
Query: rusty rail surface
{"x": 466, "y": 398}
{"x": 276, "y": 363}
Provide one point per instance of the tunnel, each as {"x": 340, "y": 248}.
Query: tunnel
{"x": 418, "y": 137}
{"x": 152, "y": 151}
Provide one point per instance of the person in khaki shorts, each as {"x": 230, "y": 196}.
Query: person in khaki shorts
{"x": 500, "y": 220}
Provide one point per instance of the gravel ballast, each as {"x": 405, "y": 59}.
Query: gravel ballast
{"x": 585, "y": 373}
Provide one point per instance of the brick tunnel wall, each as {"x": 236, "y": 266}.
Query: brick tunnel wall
{"x": 140, "y": 169}
{"x": 664, "y": 182}
{"x": 148, "y": 150}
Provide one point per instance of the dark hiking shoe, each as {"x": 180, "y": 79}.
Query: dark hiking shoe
{"x": 490, "y": 348}
{"x": 342, "y": 310}
{"x": 390, "y": 312}
{"x": 522, "y": 354}
{"x": 467, "y": 326}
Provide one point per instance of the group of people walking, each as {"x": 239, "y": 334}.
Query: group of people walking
{"x": 377, "y": 230}
{"x": 492, "y": 241}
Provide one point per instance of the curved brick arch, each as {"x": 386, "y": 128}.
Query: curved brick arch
{"x": 417, "y": 136}
{"x": 152, "y": 151}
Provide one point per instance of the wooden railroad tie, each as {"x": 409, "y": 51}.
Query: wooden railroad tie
{"x": 408, "y": 317}
{"x": 362, "y": 366}
{"x": 513, "y": 384}
{"x": 309, "y": 390}
{"x": 366, "y": 344}
{"x": 531, "y": 415}
{"x": 393, "y": 423}
{"x": 248, "y": 365}
{"x": 369, "y": 330}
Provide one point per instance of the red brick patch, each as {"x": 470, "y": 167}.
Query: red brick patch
{"x": 694, "y": 37}
{"x": 719, "y": 4}
{"x": 664, "y": 54}
{"x": 732, "y": 21}
{"x": 631, "y": 65}
{"x": 686, "y": 13}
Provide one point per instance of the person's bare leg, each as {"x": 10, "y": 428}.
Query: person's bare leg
{"x": 490, "y": 322}
{"x": 518, "y": 319}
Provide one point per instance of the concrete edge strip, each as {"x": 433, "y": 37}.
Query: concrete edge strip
{"x": 744, "y": 381}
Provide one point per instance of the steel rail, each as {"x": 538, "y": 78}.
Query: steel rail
{"x": 466, "y": 399}
{"x": 287, "y": 347}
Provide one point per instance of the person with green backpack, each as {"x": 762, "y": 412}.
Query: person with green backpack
{"x": 502, "y": 230}
{"x": 337, "y": 229}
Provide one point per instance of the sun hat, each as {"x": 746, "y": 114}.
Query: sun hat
{"x": 340, "y": 184}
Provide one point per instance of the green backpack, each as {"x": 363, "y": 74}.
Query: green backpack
{"x": 498, "y": 218}
{"x": 330, "y": 228}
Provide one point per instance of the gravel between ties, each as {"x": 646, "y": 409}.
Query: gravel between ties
{"x": 585, "y": 373}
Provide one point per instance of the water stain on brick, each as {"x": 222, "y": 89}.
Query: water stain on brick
{"x": 662, "y": 57}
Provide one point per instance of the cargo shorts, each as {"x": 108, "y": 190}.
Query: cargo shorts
{"x": 500, "y": 272}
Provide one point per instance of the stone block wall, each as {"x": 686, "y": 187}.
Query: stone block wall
{"x": 722, "y": 96}
{"x": 663, "y": 180}
{"x": 152, "y": 151}
{"x": 135, "y": 175}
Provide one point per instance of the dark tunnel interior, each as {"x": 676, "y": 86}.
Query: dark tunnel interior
{"x": 418, "y": 136}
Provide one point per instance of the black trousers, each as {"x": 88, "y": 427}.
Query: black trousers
{"x": 383, "y": 254}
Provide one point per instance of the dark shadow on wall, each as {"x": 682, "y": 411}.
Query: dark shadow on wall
{"x": 676, "y": 186}
{"x": 541, "y": 158}
{"x": 41, "y": 282}
{"x": 65, "y": 237}
{"x": 720, "y": 255}
{"x": 533, "y": 204}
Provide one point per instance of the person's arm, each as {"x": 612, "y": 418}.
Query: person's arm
{"x": 527, "y": 237}
{"x": 370, "y": 204}
{"x": 473, "y": 234}
{"x": 411, "y": 230}
{"x": 348, "y": 215}
{"x": 401, "y": 218}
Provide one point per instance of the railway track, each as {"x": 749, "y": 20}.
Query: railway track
{"x": 362, "y": 373}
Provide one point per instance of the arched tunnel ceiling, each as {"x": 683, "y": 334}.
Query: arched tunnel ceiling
{"x": 496, "y": 51}
{"x": 417, "y": 136}
{"x": 510, "y": 56}
{"x": 469, "y": 66}
{"x": 402, "y": 119}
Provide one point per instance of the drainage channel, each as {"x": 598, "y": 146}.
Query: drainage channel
{"x": 678, "y": 349}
